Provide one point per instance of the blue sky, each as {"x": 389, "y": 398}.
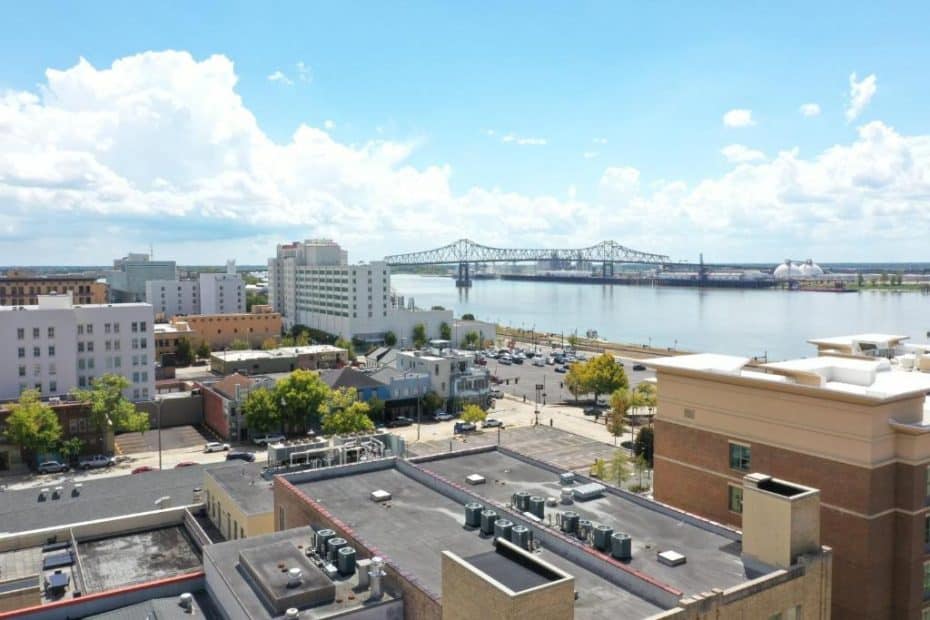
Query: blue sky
{"x": 522, "y": 110}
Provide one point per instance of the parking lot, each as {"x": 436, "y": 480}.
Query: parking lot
{"x": 521, "y": 380}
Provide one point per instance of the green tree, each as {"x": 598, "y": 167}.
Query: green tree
{"x": 342, "y": 343}
{"x": 109, "y": 408}
{"x": 604, "y": 375}
{"x": 390, "y": 338}
{"x": 255, "y": 299}
{"x": 376, "y": 408}
{"x": 419, "y": 336}
{"x": 640, "y": 466}
{"x": 203, "y": 350}
{"x": 474, "y": 414}
{"x": 71, "y": 448}
{"x": 262, "y": 411}
{"x": 269, "y": 343}
{"x": 645, "y": 395}
{"x": 573, "y": 340}
{"x": 615, "y": 425}
{"x": 342, "y": 412}
{"x": 183, "y": 352}
{"x": 643, "y": 444}
{"x": 619, "y": 467}
{"x": 445, "y": 331}
{"x": 576, "y": 380}
{"x": 468, "y": 316}
{"x": 300, "y": 395}
{"x": 239, "y": 345}
{"x": 621, "y": 401}
{"x": 471, "y": 340}
{"x": 32, "y": 424}
{"x": 302, "y": 339}
{"x": 599, "y": 469}
{"x": 431, "y": 403}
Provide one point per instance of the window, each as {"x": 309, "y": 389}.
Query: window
{"x": 52, "y": 370}
{"x": 22, "y": 371}
{"x": 51, "y": 332}
{"x": 927, "y": 579}
{"x": 20, "y": 333}
{"x": 106, "y": 328}
{"x": 90, "y": 347}
{"x": 116, "y": 345}
{"x": 135, "y": 343}
{"x": 52, "y": 386}
{"x": 80, "y": 347}
{"x": 82, "y": 382}
{"x": 38, "y": 387}
{"x": 35, "y": 332}
{"x": 135, "y": 377}
{"x": 80, "y": 330}
{"x": 135, "y": 327}
{"x": 90, "y": 329}
{"x": 21, "y": 352}
{"x": 116, "y": 328}
{"x": 739, "y": 457}
{"x": 81, "y": 364}
{"x": 107, "y": 345}
{"x": 145, "y": 392}
{"x": 51, "y": 350}
{"x": 735, "y": 498}
{"x": 36, "y": 351}
{"x": 135, "y": 394}
{"x": 117, "y": 361}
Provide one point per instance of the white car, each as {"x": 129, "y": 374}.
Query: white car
{"x": 538, "y": 361}
{"x": 215, "y": 446}
{"x": 264, "y": 440}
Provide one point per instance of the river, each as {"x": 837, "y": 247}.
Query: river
{"x": 776, "y": 323}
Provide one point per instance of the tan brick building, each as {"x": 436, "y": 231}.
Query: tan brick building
{"x": 221, "y": 330}
{"x": 23, "y": 289}
{"x": 856, "y": 427}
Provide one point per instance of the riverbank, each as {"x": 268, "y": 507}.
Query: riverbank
{"x": 591, "y": 345}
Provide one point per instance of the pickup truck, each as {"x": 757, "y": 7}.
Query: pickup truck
{"x": 96, "y": 461}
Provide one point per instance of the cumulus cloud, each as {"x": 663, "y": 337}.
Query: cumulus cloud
{"x": 329, "y": 124}
{"x": 160, "y": 147}
{"x": 523, "y": 141}
{"x": 739, "y": 154}
{"x": 303, "y": 71}
{"x": 738, "y": 118}
{"x": 860, "y": 94}
{"x": 809, "y": 109}
{"x": 278, "y": 76}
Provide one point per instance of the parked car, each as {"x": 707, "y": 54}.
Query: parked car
{"x": 464, "y": 427}
{"x": 215, "y": 446}
{"x": 518, "y": 360}
{"x": 539, "y": 362}
{"x": 96, "y": 461}
{"x": 186, "y": 464}
{"x": 561, "y": 369}
{"x": 240, "y": 456}
{"x": 639, "y": 367}
{"x": 492, "y": 423}
{"x": 264, "y": 440}
{"x": 550, "y": 361}
{"x": 495, "y": 393}
{"x": 595, "y": 411}
{"x": 142, "y": 469}
{"x": 400, "y": 421}
{"x": 505, "y": 361}
{"x": 442, "y": 416}
{"x": 52, "y": 467}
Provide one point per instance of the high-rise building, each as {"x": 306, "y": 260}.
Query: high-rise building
{"x": 312, "y": 283}
{"x": 170, "y": 298}
{"x": 221, "y": 293}
{"x": 130, "y": 273}
{"x": 56, "y": 346}
{"x": 853, "y": 422}
{"x": 210, "y": 293}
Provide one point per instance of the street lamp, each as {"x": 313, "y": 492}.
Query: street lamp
{"x": 158, "y": 403}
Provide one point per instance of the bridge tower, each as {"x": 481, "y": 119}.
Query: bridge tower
{"x": 464, "y": 278}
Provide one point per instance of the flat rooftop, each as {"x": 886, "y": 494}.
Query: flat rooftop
{"x": 111, "y": 496}
{"x": 255, "y": 354}
{"x": 869, "y": 338}
{"x": 422, "y": 523}
{"x": 245, "y": 485}
{"x": 713, "y": 560}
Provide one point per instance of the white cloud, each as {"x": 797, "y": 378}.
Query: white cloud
{"x": 161, "y": 148}
{"x": 739, "y": 154}
{"x": 329, "y": 124}
{"x": 860, "y": 94}
{"x": 589, "y": 154}
{"x": 809, "y": 109}
{"x": 599, "y": 140}
{"x": 738, "y": 118}
{"x": 278, "y": 76}
{"x": 523, "y": 141}
{"x": 303, "y": 72}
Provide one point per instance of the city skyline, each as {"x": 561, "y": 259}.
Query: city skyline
{"x": 750, "y": 136}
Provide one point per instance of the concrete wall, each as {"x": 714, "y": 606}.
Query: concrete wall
{"x": 175, "y": 411}
{"x": 20, "y": 592}
{"x": 226, "y": 514}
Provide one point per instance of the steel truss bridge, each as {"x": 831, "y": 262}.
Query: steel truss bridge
{"x": 466, "y": 252}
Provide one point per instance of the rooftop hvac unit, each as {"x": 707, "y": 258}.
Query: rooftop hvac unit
{"x": 584, "y": 529}
{"x": 621, "y": 546}
{"x": 474, "y": 479}
{"x": 333, "y": 545}
{"x": 322, "y": 537}
{"x": 537, "y": 506}
{"x": 565, "y": 496}
{"x": 569, "y": 522}
{"x": 345, "y": 560}
{"x": 361, "y": 568}
{"x": 521, "y": 501}
{"x": 521, "y": 536}
{"x": 671, "y": 558}
{"x": 473, "y": 514}
{"x": 488, "y": 517}
{"x": 503, "y": 528}
{"x": 588, "y": 491}
{"x": 380, "y": 496}
{"x": 602, "y": 534}
{"x": 567, "y": 478}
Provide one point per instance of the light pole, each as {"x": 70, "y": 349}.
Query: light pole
{"x": 158, "y": 403}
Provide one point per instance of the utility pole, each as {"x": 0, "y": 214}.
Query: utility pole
{"x": 158, "y": 403}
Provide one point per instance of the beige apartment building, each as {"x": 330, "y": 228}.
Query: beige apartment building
{"x": 18, "y": 288}
{"x": 221, "y": 330}
{"x": 853, "y": 422}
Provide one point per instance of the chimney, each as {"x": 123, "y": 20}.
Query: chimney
{"x": 781, "y": 520}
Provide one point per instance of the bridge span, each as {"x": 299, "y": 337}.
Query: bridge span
{"x": 466, "y": 253}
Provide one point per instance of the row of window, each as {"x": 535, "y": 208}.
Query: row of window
{"x": 36, "y": 332}
{"x": 36, "y": 351}
{"x": 52, "y": 387}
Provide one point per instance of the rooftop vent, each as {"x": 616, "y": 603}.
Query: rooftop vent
{"x": 588, "y": 491}
{"x": 671, "y": 558}
{"x": 186, "y": 602}
{"x": 293, "y": 577}
{"x": 474, "y": 479}
{"x": 380, "y": 496}
{"x": 292, "y": 612}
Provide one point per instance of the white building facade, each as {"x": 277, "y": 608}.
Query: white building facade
{"x": 221, "y": 293}
{"x": 173, "y": 297}
{"x": 55, "y": 347}
{"x": 453, "y": 374}
{"x": 312, "y": 283}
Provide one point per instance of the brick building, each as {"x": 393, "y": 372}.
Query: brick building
{"x": 23, "y": 289}
{"x": 855, "y": 427}
{"x": 222, "y": 404}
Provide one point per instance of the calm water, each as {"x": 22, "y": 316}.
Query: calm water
{"x": 747, "y": 322}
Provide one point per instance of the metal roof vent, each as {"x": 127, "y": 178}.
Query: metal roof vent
{"x": 292, "y": 612}
{"x": 380, "y": 496}
{"x": 671, "y": 558}
{"x": 293, "y": 577}
{"x": 186, "y": 602}
{"x": 474, "y": 479}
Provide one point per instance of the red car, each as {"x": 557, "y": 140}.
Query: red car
{"x": 142, "y": 469}
{"x": 186, "y": 464}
